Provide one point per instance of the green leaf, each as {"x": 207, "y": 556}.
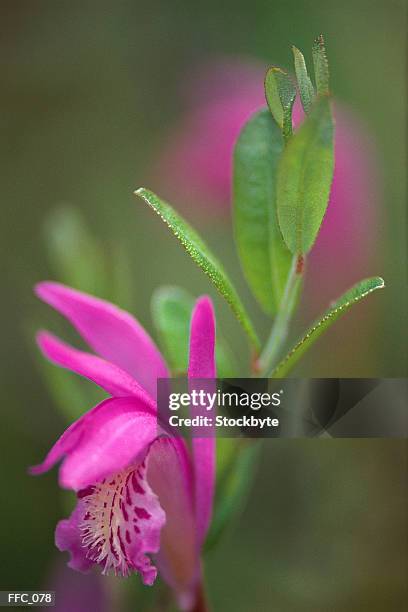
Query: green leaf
{"x": 202, "y": 256}
{"x": 121, "y": 277}
{"x": 304, "y": 178}
{"x": 321, "y": 66}
{"x": 280, "y": 93}
{"x": 306, "y": 89}
{"x": 341, "y": 306}
{"x": 171, "y": 310}
{"x": 233, "y": 486}
{"x": 77, "y": 259}
{"x": 264, "y": 256}
{"x": 225, "y": 359}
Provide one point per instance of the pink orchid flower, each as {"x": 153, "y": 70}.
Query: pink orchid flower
{"x": 140, "y": 492}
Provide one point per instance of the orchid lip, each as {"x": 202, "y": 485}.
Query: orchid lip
{"x": 122, "y": 519}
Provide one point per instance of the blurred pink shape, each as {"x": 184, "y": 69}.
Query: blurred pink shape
{"x": 196, "y": 167}
{"x": 75, "y": 591}
{"x": 196, "y": 164}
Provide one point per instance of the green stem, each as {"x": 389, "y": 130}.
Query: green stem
{"x": 280, "y": 327}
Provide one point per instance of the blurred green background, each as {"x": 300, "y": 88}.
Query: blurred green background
{"x": 90, "y": 90}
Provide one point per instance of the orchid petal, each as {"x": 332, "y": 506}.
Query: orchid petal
{"x": 64, "y": 444}
{"x": 117, "y": 522}
{"x": 202, "y": 365}
{"x": 68, "y": 537}
{"x": 169, "y": 475}
{"x": 103, "y": 441}
{"x": 122, "y": 521}
{"x": 107, "y": 375}
{"x": 112, "y": 333}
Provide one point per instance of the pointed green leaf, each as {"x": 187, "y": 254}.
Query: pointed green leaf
{"x": 171, "y": 310}
{"x": 233, "y": 486}
{"x": 74, "y": 254}
{"x": 264, "y": 256}
{"x": 121, "y": 282}
{"x": 280, "y": 93}
{"x": 341, "y": 306}
{"x": 304, "y": 178}
{"x": 306, "y": 89}
{"x": 321, "y": 66}
{"x": 202, "y": 256}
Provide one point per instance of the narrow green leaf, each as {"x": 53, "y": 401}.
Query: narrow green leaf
{"x": 321, "y": 66}
{"x": 171, "y": 310}
{"x": 306, "y": 89}
{"x": 233, "y": 486}
{"x": 264, "y": 256}
{"x": 341, "y": 306}
{"x": 304, "y": 178}
{"x": 202, "y": 256}
{"x": 280, "y": 93}
{"x": 225, "y": 359}
{"x": 122, "y": 280}
{"x": 76, "y": 257}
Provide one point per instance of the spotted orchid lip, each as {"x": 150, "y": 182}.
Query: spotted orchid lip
{"x": 122, "y": 520}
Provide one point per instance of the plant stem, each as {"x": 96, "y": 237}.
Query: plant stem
{"x": 279, "y": 330}
{"x": 201, "y": 604}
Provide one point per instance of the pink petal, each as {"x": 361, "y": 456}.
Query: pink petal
{"x": 122, "y": 521}
{"x": 202, "y": 365}
{"x": 202, "y": 340}
{"x": 169, "y": 475}
{"x": 116, "y": 523}
{"x": 64, "y": 444}
{"x": 112, "y": 333}
{"x": 68, "y": 537}
{"x": 103, "y": 441}
{"x": 107, "y": 375}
